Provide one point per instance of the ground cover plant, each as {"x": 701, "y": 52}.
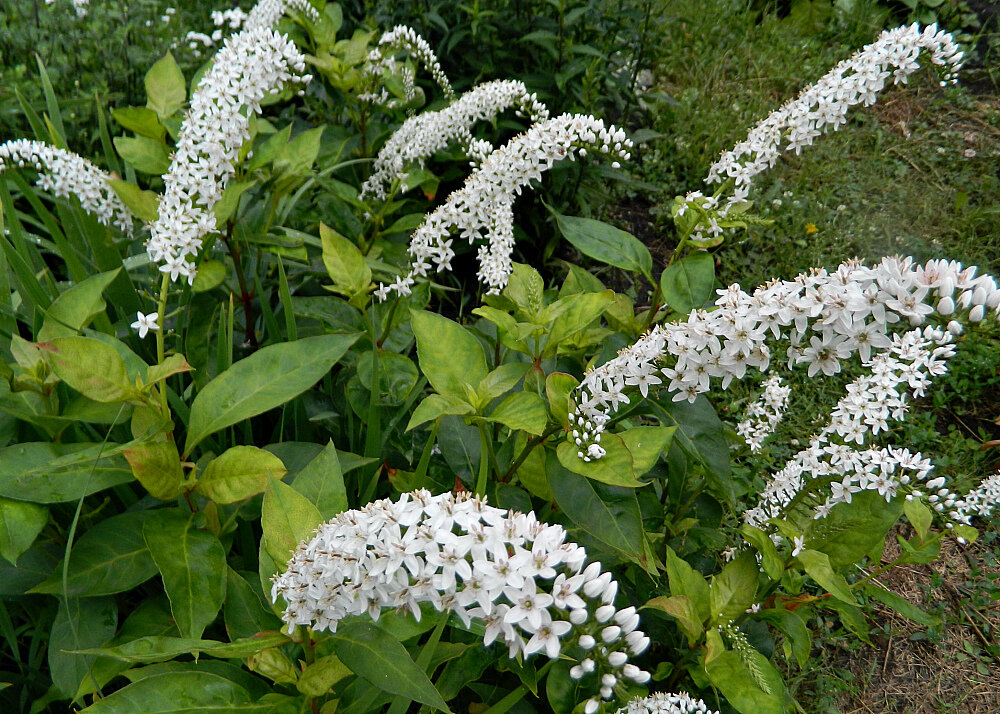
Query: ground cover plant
{"x": 299, "y": 413}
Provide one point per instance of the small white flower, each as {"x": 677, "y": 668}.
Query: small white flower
{"x": 799, "y": 543}
{"x": 145, "y": 323}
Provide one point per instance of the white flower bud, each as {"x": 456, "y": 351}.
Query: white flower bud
{"x": 977, "y": 313}
{"x": 611, "y": 633}
{"x": 588, "y": 665}
{"x": 578, "y": 616}
{"x": 946, "y": 306}
{"x": 604, "y": 613}
{"x": 617, "y": 659}
{"x": 609, "y": 680}
{"x": 586, "y": 642}
{"x": 576, "y": 672}
{"x": 591, "y": 706}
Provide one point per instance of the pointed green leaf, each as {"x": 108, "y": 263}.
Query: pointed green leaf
{"x": 681, "y": 608}
{"x": 165, "y": 87}
{"x": 817, "y": 565}
{"x": 244, "y": 612}
{"x": 111, "y": 557}
{"x": 141, "y": 120}
{"x": 288, "y": 518}
{"x": 157, "y": 466}
{"x": 645, "y": 444}
{"x": 75, "y": 308}
{"x": 742, "y": 689}
{"x": 523, "y": 411}
{"x": 88, "y": 622}
{"x": 91, "y": 367}
{"x": 238, "y": 473}
{"x": 614, "y": 468}
{"x": 734, "y": 589}
{"x": 450, "y": 356}
{"x": 191, "y": 563}
{"x": 264, "y": 380}
{"x": 145, "y": 205}
{"x": 381, "y": 660}
{"x": 606, "y": 244}
{"x": 145, "y": 155}
{"x": 688, "y": 283}
{"x": 688, "y": 582}
{"x": 322, "y": 483}
{"x": 20, "y": 524}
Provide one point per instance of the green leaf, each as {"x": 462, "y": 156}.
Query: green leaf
{"x": 171, "y": 365}
{"x": 773, "y": 563}
{"x": 901, "y": 605}
{"x": 645, "y": 444}
{"x": 245, "y": 613}
{"x": 701, "y": 434}
{"x": 180, "y": 693}
{"x": 20, "y": 524}
{"x": 614, "y": 468}
{"x": 145, "y": 205}
{"x": 111, "y": 557}
{"x": 91, "y": 367}
{"x": 319, "y": 676}
{"x": 191, "y": 563}
{"x": 688, "y": 283}
{"x": 437, "y": 405}
{"x": 501, "y": 380}
{"x": 728, "y": 673}
{"x": 817, "y": 565}
{"x": 264, "y": 380}
{"x": 211, "y": 273}
{"x": 159, "y": 648}
{"x": 344, "y": 263}
{"x": 524, "y": 411}
{"x": 682, "y": 609}
{"x": 238, "y": 473}
{"x": 145, "y": 155}
{"x": 450, "y": 356}
{"x": 322, "y": 483}
{"x": 165, "y": 87}
{"x": 227, "y": 204}
{"x": 89, "y": 622}
{"x": 609, "y": 514}
{"x": 396, "y": 376}
{"x": 44, "y": 472}
{"x": 140, "y": 120}
{"x": 558, "y": 387}
{"x": 297, "y": 156}
{"x": 606, "y": 244}
{"x": 734, "y": 589}
{"x": 156, "y": 465}
{"x": 578, "y": 312}
{"x": 687, "y": 582}
{"x": 383, "y": 662}
{"x": 852, "y": 530}
{"x": 288, "y": 518}
{"x": 919, "y": 516}
{"x": 526, "y": 289}
{"x": 794, "y": 627}
{"x": 75, "y": 308}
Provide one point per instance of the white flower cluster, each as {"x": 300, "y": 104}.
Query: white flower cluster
{"x": 251, "y": 64}
{"x": 421, "y": 136}
{"x": 484, "y": 206}
{"x": 67, "y": 174}
{"x": 81, "y": 6}
{"x": 764, "y": 414}
{"x": 406, "y": 38}
{"x": 824, "y": 105}
{"x": 266, "y": 13}
{"x": 520, "y": 577}
{"x": 980, "y": 501}
{"x": 823, "y": 317}
{"x": 663, "y": 703}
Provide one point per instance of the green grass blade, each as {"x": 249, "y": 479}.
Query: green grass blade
{"x": 52, "y": 105}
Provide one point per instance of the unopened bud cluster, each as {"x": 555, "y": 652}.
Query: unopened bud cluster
{"x": 764, "y": 414}
{"x": 483, "y": 208}
{"x": 530, "y": 587}
{"x": 401, "y": 37}
{"x": 67, "y": 174}
{"x": 423, "y": 135}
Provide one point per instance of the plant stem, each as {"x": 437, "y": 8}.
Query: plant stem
{"x": 526, "y": 451}
{"x": 246, "y": 297}
{"x": 161, "y": 309}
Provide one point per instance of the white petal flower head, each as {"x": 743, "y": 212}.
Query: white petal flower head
{"x": 145, "y": 323}
{"x": 663, "y": 703}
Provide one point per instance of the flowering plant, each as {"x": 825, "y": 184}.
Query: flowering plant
{"x": 354, "y": 502}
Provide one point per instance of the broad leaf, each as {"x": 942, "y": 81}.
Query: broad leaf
{"x": 382, "y": 661}
{"x": 437, "y": 405}
{"x": 192, "y": 563}
{"x": 734, "y": 589}
{"x": 165, "y": 87}
{"x": 322, "y": 483}
{"x": 20, "y": 524}
{"x": 524, "y": 411}
{"x": 288, "y": 518}
{"x": 685, "y": 581}
{"x": 344, "y": 263}
{"x": 182, "y": 693}
{"x": 682, "y": 609}
{"x": 145, "y": 155}
{"x": 606, "y": 244}
{"x": 264, "y": 380}
{"x": 645, "y": 444}
{"x": 159, "y": 648}
{"x": 450, "y": 356}
{"x": 688, "y": 283}
{"x": 44, "y": 472}
{"x": 75, "y": 308}
{"x": 91, "y": 367}
{"x": 817, "y": 565}
{"x": 759, "y": 692}
{"x": 156, "y": 465}
{"x": 238, "y": 473}
{"x": 244, "y": 612}
{"x": 88, "y": 622}
{"x": 145, "y": 205}
{"x": 111, "y": 557}
{"x": 614, "y": 468}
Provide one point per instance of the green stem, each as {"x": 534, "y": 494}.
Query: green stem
{"x": 484, "y": 464}
{"x": 161, "y": 309}
{"x": 526, "y": 451}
